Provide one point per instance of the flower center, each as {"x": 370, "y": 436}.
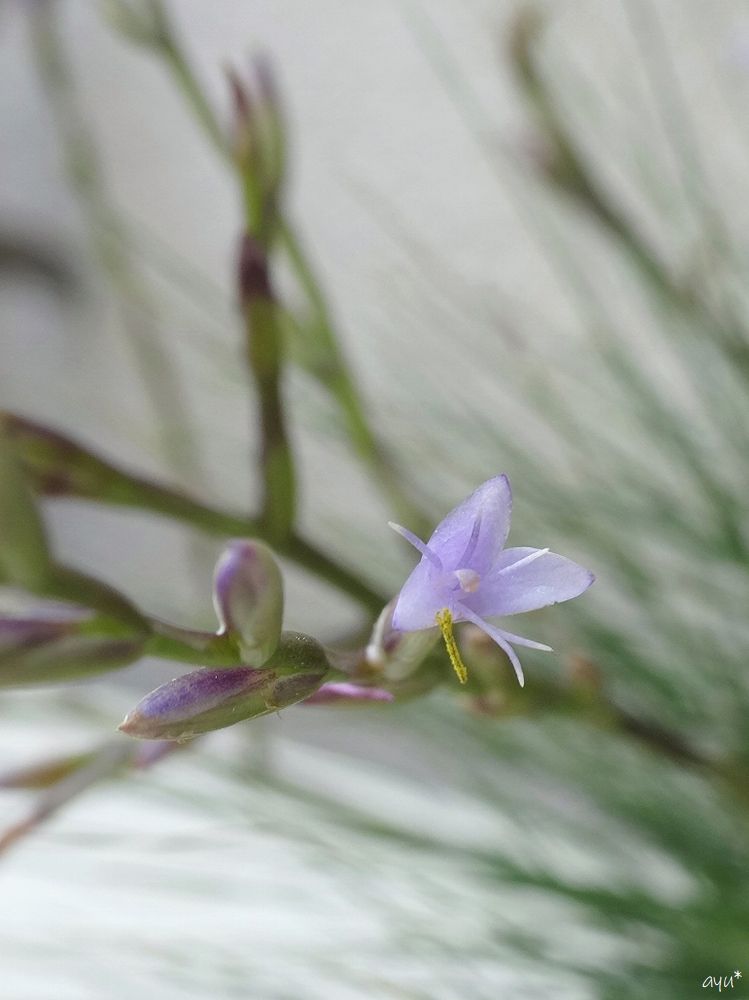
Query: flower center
{"x": 468, "y": 579}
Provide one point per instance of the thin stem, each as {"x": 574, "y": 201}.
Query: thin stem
{"x": 137, "y": 313}
{"x": 650, "y": 400}
{"x": 568, "y": 171}
{"x": 58, "y": 466}
{"x": 331, "y": 368}
{"x": 334, "y": 372}
{"x": 77, "y": 776}
{"x": 264, "y": 346}
{"x": 181, "y": 70}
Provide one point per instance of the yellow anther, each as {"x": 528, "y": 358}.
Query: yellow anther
{"x": 445, "y": 621}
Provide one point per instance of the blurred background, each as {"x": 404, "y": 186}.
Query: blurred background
{"x": 524, "y": 229}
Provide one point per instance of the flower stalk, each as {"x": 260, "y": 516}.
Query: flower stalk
{"x": 57, "y": 466}
{"x": 255, "y": 151}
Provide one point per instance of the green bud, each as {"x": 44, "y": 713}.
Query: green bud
{"x": 39, "y": 651}
{"x": 248, "y": 597}
{"x": 209, "y": 699}
{"x": 397, "y": 655}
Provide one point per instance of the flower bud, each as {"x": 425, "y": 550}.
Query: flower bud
{"x": 248, "y": 598}
{"x": 397, "y": 654}
{"x": 208, "y": 699}
{"x": 40, "y": 651}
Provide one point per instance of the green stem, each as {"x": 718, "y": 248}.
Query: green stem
{"x": 188, "y": 84}
{"x": 68, "y": 584}
{"x": 307, "y": 555}
{"x": 24, "y": 553}
{"x": 58, "y": 466}
{"x": 209, "y": 649}
{"x": 332, "y": 371}
{"x": 569, "y": 172}
{"x": 110, "y": 759}
{"x": 264, "y": 348}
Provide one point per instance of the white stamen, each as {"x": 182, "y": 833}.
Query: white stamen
{"x": 468, "y": 579}
{"x": 520, "y": 640}
{"x": 417, "y": 543}
{"x": 523, "y": 562}
{"x": 499, "y": 637}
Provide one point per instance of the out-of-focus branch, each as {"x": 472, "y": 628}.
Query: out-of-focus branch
{"x": 63, "y": 779}
{"x": 320, "y": 350}
{"x": 152, "y": 360}
{"x": 581, "y": 693}
{"x": 22, "y": 252}
{"x": 563, "y": 165}
{"x": 264, "y": 347}
{"x": 24, "y": 555}
{"x": 650, "y": 402}
{"x": 58, "y": 466}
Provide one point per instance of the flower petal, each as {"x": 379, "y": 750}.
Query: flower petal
{"x": 423, "y": 594}
{"x": 535, "y": 583}
{"x": 457, "y": 540}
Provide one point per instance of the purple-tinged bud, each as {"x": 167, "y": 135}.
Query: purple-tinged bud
{"x": 18, "y": 634}
{"x": 208, "y": 699}
{"x": 335, "y": 693}
{"x": 253, "y": 270}
{"x": 244, "y": 139}
{"x": 267, "y": 84}
{"x": 248, "y": 598}
{"x": 41, "y": 651}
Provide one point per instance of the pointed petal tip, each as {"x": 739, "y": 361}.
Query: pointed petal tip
{"x": 135, "y": 726}
{"x": 422, "y": 548}
{"x": 505, "y": 480}
{"x": 128, "y": 724}
{"x": 500, "y": 482}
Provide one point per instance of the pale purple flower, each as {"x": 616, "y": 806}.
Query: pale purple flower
{"x": 467, "y": 575}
